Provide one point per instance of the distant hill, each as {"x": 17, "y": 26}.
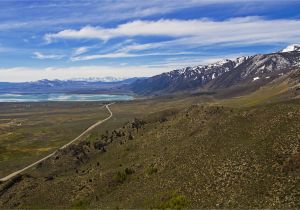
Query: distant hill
{"x": 261, "y": 68}
{"x": 89, "y": 85}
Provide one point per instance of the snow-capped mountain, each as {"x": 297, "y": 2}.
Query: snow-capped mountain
{"x": 222, "y": 74}
{"x": 100, "y": 79}
{"x": 185, "y": 78}
{"x": 291, "y": 48}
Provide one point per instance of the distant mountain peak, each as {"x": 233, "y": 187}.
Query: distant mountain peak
{"x": 100, "y": 79}
{"x": 240, "y": 60}
{"x": 291, "y": 48}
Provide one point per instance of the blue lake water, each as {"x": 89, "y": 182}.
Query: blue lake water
{"x": 62, "y": 97}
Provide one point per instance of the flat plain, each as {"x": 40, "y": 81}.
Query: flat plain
{"x": 30, "y": 131}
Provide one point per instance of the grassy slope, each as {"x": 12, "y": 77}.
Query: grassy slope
{"x": 264, "y": 95}
{"x": 201, "y": 157}
{"x": 283, "y": 88}
{"x": 210, "y": 156}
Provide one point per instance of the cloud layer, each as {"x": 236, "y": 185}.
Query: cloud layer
{"x": 200, "y": 31}
{"x": 42, "y": 56}
{"x": 139, "y": 38}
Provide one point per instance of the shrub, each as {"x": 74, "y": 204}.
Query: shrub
{"x": 130, "y": 137}
{"x": 79, "y": 205}
{"x": 175, "y": 201}
{"x": 123, "y": 175}
{"x": 129, "y": 171}
{"x": 151, "y": 171}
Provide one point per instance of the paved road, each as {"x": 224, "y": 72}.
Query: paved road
{"x": 66, "y": 145}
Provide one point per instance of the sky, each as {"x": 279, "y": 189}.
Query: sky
{"x": 66, "y": 39}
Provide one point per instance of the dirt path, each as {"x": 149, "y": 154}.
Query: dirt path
{"x": 63, "y": 147}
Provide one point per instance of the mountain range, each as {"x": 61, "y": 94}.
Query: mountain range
{"x": 243, "y": 74}
{"x": 78, "y": 85}
{"x": 242, "y": 71}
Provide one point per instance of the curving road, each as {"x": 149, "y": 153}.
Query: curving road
{"x": 63, "y": 147}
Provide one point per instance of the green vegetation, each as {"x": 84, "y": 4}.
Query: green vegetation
{"x": 123, "y": 175}
{"x": 264, "y": 95}
{"x": 79, "y": 205}
{"x": 152, "y": 170}
{"x": 174, "y": 202}
{"x": 211, "y": 153}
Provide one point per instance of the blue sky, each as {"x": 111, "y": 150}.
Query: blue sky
{"x": 71, "y": 39}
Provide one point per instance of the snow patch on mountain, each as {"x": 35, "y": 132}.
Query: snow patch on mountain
{"x": 253, "y": 65}
{"x": 224, "y": 73}
{"x": 291, "y": 48}
{"x": 256, "y": 78}
{"x": 238, "y": 61}
{"x": 99, "y": 79}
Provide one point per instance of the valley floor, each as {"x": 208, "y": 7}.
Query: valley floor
{"x": 30, "y": 131}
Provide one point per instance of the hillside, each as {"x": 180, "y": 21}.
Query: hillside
{"x": 197, "y": 157}
{"x": 244, "y": 71}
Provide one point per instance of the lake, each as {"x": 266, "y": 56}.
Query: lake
{"x": 62, "y": 97}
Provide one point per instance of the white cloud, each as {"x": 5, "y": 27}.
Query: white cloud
{"x": 137, "y": 47}
{"x": 42, "y": 56}
{"x": 124, "y": 55}
{"x": 184, "y": 61}
{"x": 200, "y": 31}
{"x": 21, "y": 74}
{"x": 108, "y": 55}
{"x": 100, "y": 11}
{"x": 80, "y": 50}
